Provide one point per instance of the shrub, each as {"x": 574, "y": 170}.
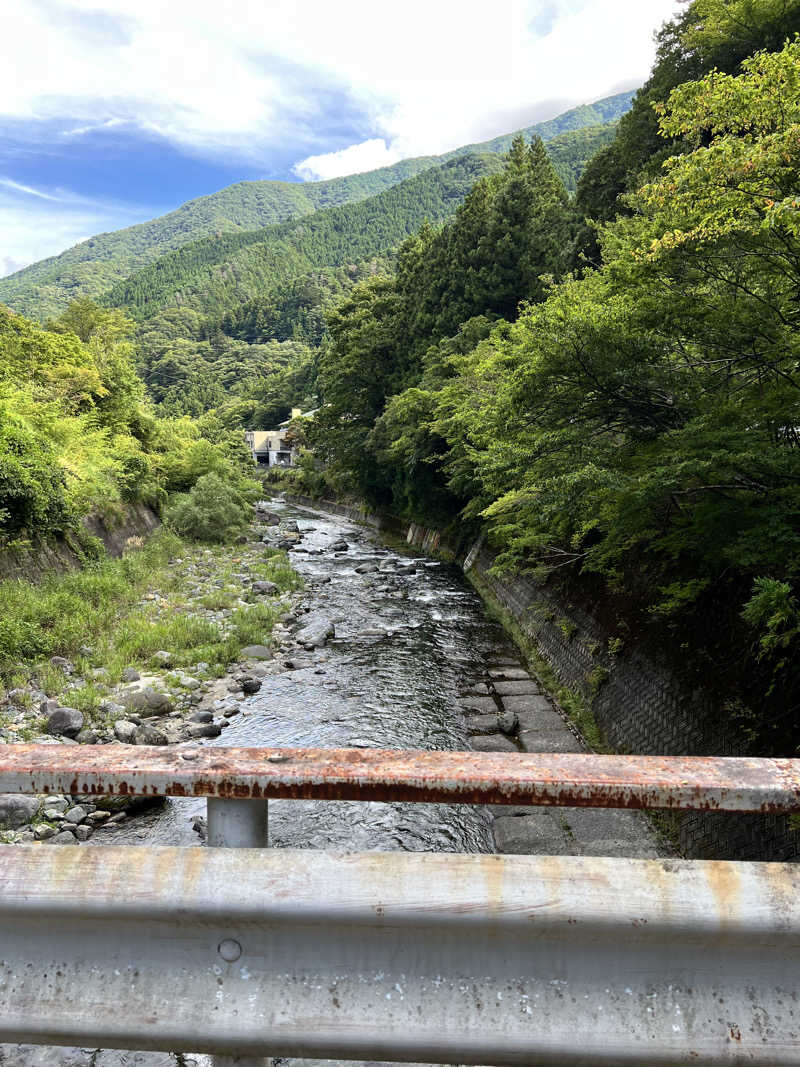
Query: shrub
{"x": 212, "y": 511}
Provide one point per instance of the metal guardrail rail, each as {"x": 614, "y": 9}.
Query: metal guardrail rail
{"x": 437, "y": 957}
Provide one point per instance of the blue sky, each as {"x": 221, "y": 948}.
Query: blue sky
{"x": 113, "y": 112}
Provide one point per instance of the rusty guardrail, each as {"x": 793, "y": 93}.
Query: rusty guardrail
{"x": 441, "y": 958}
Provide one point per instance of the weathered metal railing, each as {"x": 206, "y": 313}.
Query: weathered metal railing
{"x": 437, "y": 957}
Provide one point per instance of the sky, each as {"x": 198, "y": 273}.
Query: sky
{"x": 113, "y": 112}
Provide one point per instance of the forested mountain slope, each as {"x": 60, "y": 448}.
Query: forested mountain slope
{"x": 93, "y": 266}
{"x": 216, "y": 273}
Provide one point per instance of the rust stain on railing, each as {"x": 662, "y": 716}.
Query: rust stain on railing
{"x": 564, "y": 779}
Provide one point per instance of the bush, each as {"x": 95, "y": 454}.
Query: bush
{"x": 212, "y": 511}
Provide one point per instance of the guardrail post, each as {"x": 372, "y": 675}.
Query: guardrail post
{"x": 237, "y": 824}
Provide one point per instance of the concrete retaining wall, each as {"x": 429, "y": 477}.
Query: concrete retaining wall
{"x": 62, "y": 554}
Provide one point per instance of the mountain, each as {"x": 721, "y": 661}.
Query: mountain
{"x": 216, "y": 273}
{"x": 92, "y": 267}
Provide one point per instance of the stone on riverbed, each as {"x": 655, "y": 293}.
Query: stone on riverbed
{"x": 150, "y": 735}
{"x": 204, "y": 729}
{"x": 65, "y": 722}
{"x": 16, "y": 810}
{"x": 315, "y": 633}
{"x": 256, "y": 652}
{"x": 125, "y": 731}
{"x": 251, "y": 685}
{"x": 148, "y": 700}
{"x": 265, "y": 588}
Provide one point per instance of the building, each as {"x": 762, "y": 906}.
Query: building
{"x": 274, "y": 448}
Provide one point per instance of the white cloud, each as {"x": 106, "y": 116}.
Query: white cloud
{"x": 251, "y": 75}
{"x": 369, "y": 155}
{"x": 18, "y": 187}
{"x": 35, "y": 225}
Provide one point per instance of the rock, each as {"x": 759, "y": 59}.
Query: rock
{"x": 65, "y": 722}
{"x": 493, "y": 743}
{"x": 16, "y": 810}
{"x": 76, "y": 815}
{"x": 162, "y": 658}
{"x": 87, "y": 736}
{"x": 96, "y": 818}
{"x": 202, "y": 716}
{"x": 111, "y": 708}
{"x": 54, "y": 806}
{"x": 61, "y": 664}
{"x": 508, "y": 722}
{"x": 482, "y": 724}
{"x": 340, "y": 546}
{"x": 256, "y": 652}
{"x": 147, "y": 700}
{"x": 150, "y": 735}
{"x": 83, "y": 833}
{"x": 367, "y": 568}
{"x": 125, "y": 731}
{"x": 100, "y": 673}
{"x": 187, "y": 681}
{"x": 231, "y": 711}
{"x": 204, "y": 729}
{"x": 66, "y": 837}
{"x": 48, "y": 706}
{"x": 265, "y": 588}
{"x": 44, "y": 831}
{"x": 251, "y": 685}
{"x": 316, "y": 633}
{"x": 130, "y": 674}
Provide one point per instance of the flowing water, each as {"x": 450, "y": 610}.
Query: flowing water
{"x": 409, "y": 639}
{"x": 406, "y": 645}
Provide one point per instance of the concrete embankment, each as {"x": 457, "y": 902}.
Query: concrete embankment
{"x": 638, "y": 702}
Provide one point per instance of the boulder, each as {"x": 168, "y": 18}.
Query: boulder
{"x": 204, "y": 729}
{"x": 201, "y": 716}
{"x": 162, "y": 658}
{"x": 16, "y": 810}
{"x": 265, "y": 588}
{"x": 87, "y": 736}
{"x": 61, "y": 664}
{"x": 130, "y": 674}
{"x": 340, "y": 546}
{"x": 65, "y": 722}
{"x": 125, "y": 731}
{"x": 150, "y": 735}
{"x": 315, "y": 633}
{"x": 256, "y": 652}
{"x": 147, "y": 700}
{"x": 367, "y": 568}
{"x": 251, "y": 685}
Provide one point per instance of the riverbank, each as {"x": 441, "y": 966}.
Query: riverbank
{"x": 158, "y": 647}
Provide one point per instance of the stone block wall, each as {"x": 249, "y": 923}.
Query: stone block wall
{"x": 642, "y": 707}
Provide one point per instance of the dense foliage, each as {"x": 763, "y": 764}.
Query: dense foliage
{"x": 76, "y": 432}
{"x": 636, "y": 426}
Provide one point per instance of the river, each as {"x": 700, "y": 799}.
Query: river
{"x": 411, "y": 637}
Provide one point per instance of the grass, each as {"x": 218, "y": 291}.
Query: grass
{"x": 101, "y": 609}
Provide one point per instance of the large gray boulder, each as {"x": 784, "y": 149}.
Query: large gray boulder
{"x": 265, "y": 588}
{"x": 65, "y": 722}
{"x": 16, "y": 810}
{"x": 315, "y": 633}
{"x": 148, "y": 701}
